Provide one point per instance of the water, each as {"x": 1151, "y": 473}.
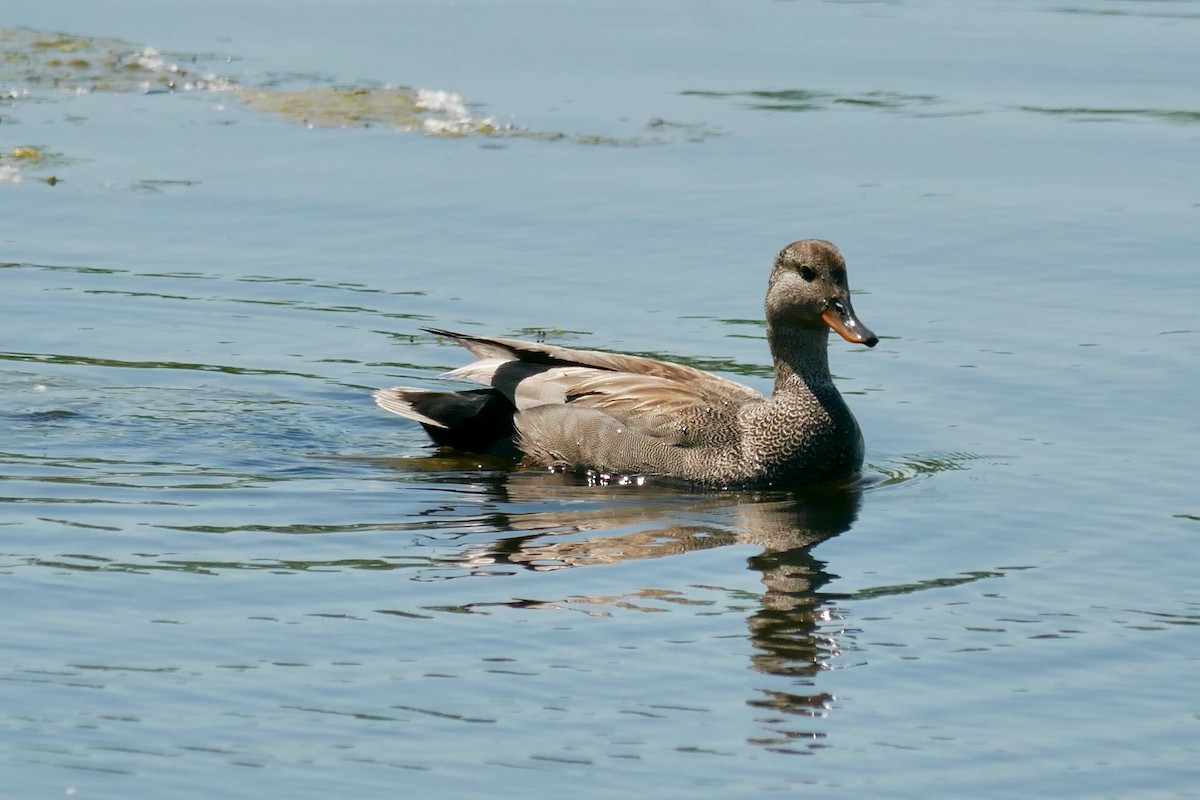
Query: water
{"x": 226, "y": 570}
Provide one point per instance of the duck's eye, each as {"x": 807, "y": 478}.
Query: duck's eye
{"x": 808, "y": 273}
{"x": 839, "y": 277}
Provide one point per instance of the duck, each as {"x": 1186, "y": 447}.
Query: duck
{"x": 611, "y": 414}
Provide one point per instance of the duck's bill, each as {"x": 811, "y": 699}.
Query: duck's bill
{"x": 840, "y": 316}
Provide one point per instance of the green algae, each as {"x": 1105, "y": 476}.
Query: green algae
{"x": 355, "y": 107}
{"x": 44, "y": 66}
{"x": 39, "y": 60}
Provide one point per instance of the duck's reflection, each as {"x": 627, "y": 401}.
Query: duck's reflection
{"x": 795, "y": 629}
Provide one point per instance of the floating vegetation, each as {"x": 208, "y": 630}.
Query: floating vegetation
{"x": 35, "y": 65}
{"x": 1130, "y": 12}
{"x": 435, "y": 113}
{"x": 438, "y": 113}
{"x": 17, "y": 160}
{"x": 817, "y": 100}
{"x": 155, "y": 186}
{"x": 1085, "y": 114}
{"x": 31, "y": 155}
{"x": 928, "y": 105}
{"x": 32, "y": 60}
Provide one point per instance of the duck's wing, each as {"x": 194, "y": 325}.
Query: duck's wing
{"x": 667, "y": 409}
{"x": 491, "y": 351}
{"x": 673, "y": 403}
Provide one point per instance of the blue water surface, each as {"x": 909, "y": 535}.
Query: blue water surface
{"x": 228, "y": 573}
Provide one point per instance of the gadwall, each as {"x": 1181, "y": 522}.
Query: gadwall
{"x": 629, "y": 415}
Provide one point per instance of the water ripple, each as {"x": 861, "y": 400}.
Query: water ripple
{"x": 915, "y": 469}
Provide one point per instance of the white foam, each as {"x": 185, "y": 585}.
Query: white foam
{"x": 152, "y": 60}
{"x": 449, "y": 114}
{"x": 446, "y": 102}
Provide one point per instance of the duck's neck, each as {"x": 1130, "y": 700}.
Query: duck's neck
{"x": 801, "y": 359}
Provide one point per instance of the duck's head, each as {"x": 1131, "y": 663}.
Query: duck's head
{"x": 808, "y": 289}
